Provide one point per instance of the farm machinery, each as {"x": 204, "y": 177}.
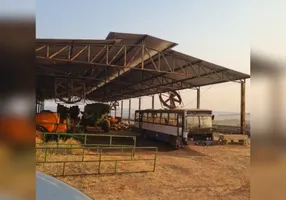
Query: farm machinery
{"x": 67, "y": 120}
{"x": 96, "y": 115}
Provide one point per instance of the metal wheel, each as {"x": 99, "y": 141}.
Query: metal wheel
{"x": 114, "y": 105}
{"x": 171, "y": 99}
{"x": 69, "y": 91}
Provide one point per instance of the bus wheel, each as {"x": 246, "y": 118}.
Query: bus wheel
{"x": 143, "y": 134}
{"x": 178, "y": 143}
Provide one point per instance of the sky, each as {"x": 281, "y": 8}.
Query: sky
{"x": 216, "y": 31}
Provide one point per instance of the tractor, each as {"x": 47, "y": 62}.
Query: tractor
{"x": 96, "y": 115}
{"x": 66, "y": 120}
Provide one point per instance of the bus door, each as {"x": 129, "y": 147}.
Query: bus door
{"x": 180, "y": 125}
{"x": 140, "y": 120}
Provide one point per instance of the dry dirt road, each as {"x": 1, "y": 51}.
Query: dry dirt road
{"x": 199, "y": 173}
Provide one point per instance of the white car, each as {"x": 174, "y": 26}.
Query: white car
{"x": 50, "y": 188}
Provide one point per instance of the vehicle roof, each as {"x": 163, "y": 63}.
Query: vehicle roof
{"x": 50, "y": 188}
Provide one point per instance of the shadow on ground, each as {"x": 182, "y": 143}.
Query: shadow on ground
{"x": 140, "y": 142}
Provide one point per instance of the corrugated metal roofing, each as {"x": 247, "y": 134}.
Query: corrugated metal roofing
{"x": 106, "y": 80}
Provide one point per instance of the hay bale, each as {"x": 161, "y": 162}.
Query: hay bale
{"x": 39, "y": 135}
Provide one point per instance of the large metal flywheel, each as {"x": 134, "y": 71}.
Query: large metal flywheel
{"x": 114, "y": 105}
{"x": 170, "y": 100}
{"x": 69, "y": 91}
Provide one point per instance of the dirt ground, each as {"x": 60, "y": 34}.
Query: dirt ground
{"x": 199, "y": 172}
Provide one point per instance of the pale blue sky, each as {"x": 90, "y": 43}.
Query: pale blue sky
{"x": 17, "y": 8}
{"x": 216, "y": 31}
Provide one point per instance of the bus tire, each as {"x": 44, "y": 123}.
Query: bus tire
{"x": 143, "y": 134}
{"x": 178, "y": 143}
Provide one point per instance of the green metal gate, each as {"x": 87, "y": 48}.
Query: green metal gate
{"x": 103, "y": 139}
{"x": 104, "y": 156}
{"x": 97, "y": 157}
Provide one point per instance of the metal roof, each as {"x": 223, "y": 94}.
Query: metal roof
{"x": 178, "y": 110}
{"x": 122, "y": 66}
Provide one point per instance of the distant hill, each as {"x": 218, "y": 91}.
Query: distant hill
{"x": 227, "y": 113}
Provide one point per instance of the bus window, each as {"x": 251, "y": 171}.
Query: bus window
{"x": 150, "y": 118}
{"x": 192, "y": 122}
{"x": 173, "y": 119}
{"x": 156, "y": 117}
{"x": 180, "y": 123}
{"x": 164, "y": 118}
{"x": 136, "y": 116}
{"x": 206, "y": 121}
{"x": 144, "y": 119}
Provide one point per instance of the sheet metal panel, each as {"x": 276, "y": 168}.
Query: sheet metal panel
{"x": 127, "y": 82}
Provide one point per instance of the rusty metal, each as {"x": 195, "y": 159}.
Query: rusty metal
{"x": 69, "y": 90}
{"x": 146, "y": 58}
{"x": 198, "y": 98}
{"x": 242, "y": 108}
{"x": 129, "y": 111}
{"x": 152, "y": 85}
{"x": 173, "y": 100}
{"x": 39, "y": 106}
{"x": 158, "y": 68}
{"x": 85, "y": 138}
{"x": 121, "y": 114}
{"x": 139, "y": 105}
{"x": 114, "y": 105}
{"x": 128, "y": 157}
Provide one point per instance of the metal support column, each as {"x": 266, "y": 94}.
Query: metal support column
{"x": 40, "y": 106}
{"x": 129, "y": 113}
{"x": 139, "y": 107}
{"x": 115, "y": 109}
{"x": 153, "y": 102}
{"x": 242, "y": 108}
{"x": 121, "y": 114}
{"x": 198, "y": 98}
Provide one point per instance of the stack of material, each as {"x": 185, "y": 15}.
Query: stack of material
{"x": 112, "y": 120}
{"x": 121, "y": 126}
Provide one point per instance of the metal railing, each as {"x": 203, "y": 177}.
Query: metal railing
{"x": 107, "y": 140}
{"x": 101, "y": 153}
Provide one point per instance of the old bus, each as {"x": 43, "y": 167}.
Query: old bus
{"x": 177, "y": 126}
